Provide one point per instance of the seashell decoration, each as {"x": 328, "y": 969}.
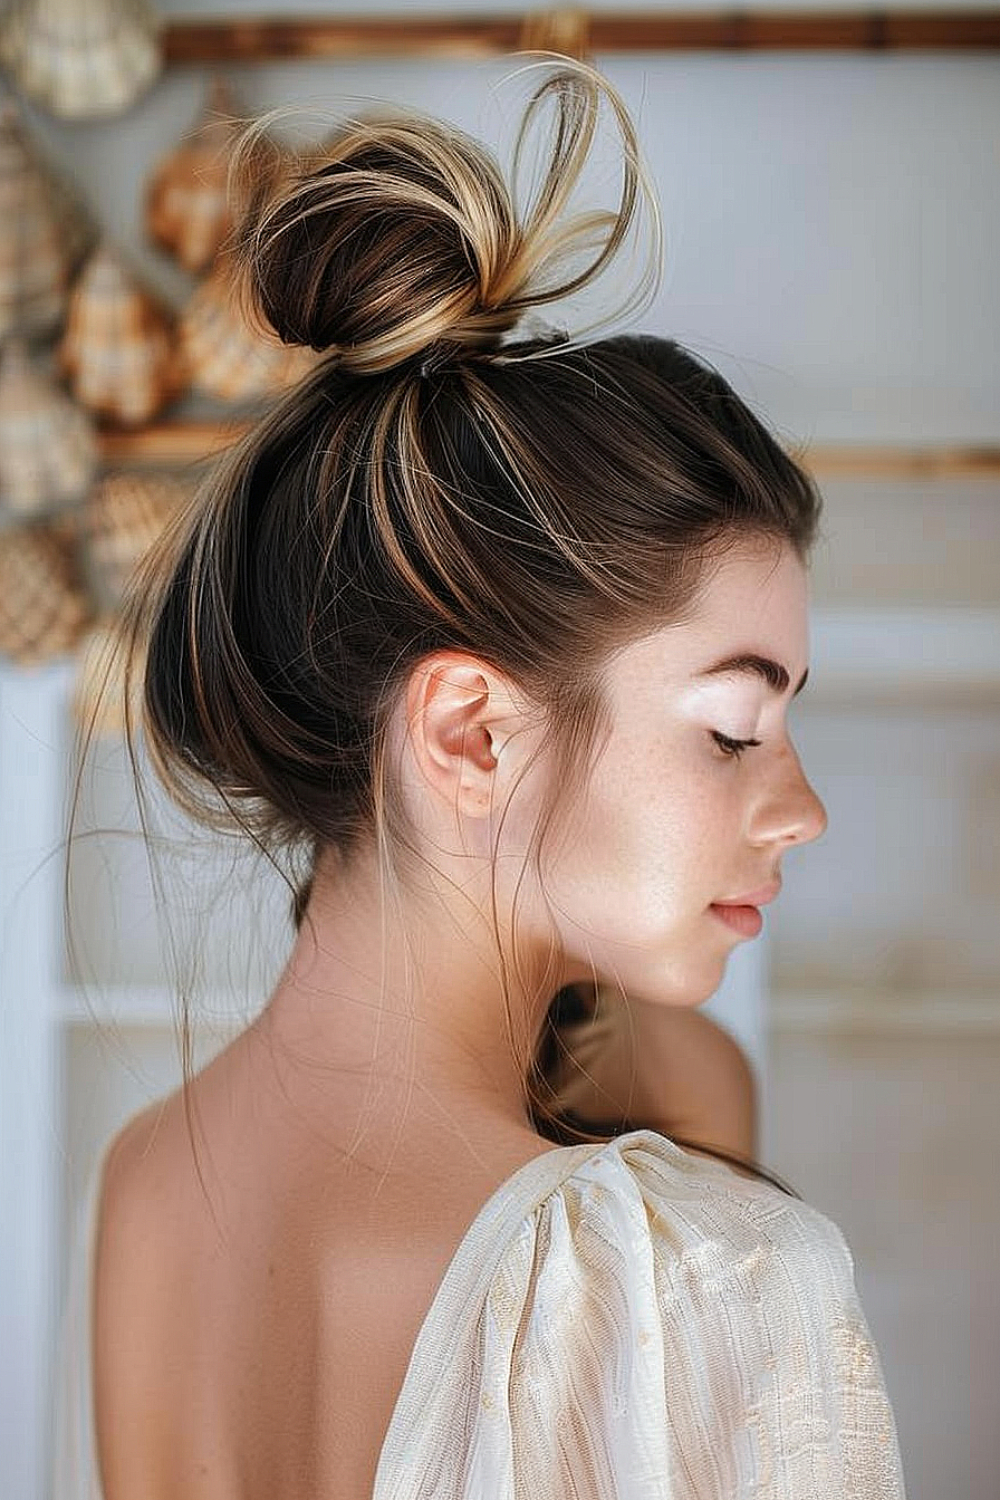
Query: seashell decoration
{"x": 81, "y": 57}
{"x": 225, "y": 356}
{"x": 48, "y": 451}
{"x": 119, "y": 348}
{"x": 120, "y": 520}
{"x": 43, "y": 610}
{"x": 188, "y": 210}
{"x": 42, "y": 236}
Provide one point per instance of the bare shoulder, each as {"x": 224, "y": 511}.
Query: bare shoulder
{"x": 139, "y": 1185}
{"x": 668, "y": 1067}
{"x": 138, "y": 1204}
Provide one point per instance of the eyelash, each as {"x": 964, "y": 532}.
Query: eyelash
{"x": 732, "y": 748}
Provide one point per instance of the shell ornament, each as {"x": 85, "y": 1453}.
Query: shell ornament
{"x": 119, "y": 348}
{"x": 81, "y": 58}
{"x": 48, "y": 450}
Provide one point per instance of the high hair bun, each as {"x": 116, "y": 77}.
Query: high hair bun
{"x": 402, "y": 234}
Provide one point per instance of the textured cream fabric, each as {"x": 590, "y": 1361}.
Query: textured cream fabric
{"x": 627, "y": 1321}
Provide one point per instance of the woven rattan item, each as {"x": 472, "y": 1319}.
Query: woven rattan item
{"x": 121, "y": 519}
{"x": 188, "y": 210}
{"x": 48, "y": 451}
{"x": 42, "y": 235}
{"x": 119, "y": 349}
{"x": 225, "y": 356}
{"x": 43, "y": 608}
{"x": 81, "y": 57}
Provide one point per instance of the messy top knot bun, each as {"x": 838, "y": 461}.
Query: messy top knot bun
{"x": 402, "y": 234}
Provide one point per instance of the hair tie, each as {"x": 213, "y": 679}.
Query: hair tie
{"x": 435, "y": 358}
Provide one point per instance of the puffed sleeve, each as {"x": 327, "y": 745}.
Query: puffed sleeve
{"x": 656, "y": 1328}
{"x": 74, "y": 1467}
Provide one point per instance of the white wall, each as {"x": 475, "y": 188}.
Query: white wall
{"x": 831, "y": 226}
{"x": 830, "y": 230}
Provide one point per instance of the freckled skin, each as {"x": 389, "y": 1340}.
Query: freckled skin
{"x": 669, "y": 823}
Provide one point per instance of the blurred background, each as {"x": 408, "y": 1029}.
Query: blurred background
{"x": 831, "y": 221}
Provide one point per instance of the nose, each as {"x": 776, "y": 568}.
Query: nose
{"x": 790, "y": 812}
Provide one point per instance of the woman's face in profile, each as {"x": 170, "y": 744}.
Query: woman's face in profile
{"x": 697, "y": 793}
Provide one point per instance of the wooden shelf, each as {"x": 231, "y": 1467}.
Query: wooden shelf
{"x": 828, "y": 461}
{"x": 193, "y": 441}
{"x": 872, "y": 1011}
{"x": 577, "y": 32}
{"x": 182, "y": 442}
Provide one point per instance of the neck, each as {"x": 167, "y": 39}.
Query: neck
{"x": 389, "y": 1020}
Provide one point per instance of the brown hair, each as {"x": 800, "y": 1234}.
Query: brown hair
{"x": 437, "y": 482}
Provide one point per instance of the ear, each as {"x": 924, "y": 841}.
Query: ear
{"x": 460, "y": 712}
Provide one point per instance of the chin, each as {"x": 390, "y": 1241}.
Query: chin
{"x": 685, "y": 986}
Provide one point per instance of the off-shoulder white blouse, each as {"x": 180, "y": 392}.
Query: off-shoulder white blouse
{"x": 626, "y": 1321}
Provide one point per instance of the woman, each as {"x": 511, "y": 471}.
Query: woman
{"x": 501, "y": 631}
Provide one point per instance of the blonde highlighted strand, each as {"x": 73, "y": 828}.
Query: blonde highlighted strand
{"x": 328, "y": 253}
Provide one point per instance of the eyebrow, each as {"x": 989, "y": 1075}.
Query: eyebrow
{"x": 749, "y": 663}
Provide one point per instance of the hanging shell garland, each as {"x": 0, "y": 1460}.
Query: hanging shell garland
{"x": 43, "y": 609}
{"x": 122, "y": 518}
{"x": 228, "y": 358}
{"x": 48, "y": 451}
{"x": 188, "y": 210}
{"x": 81, "y": 57}
{"x": 42, "y": 235}
{"x": 119, "y": 349}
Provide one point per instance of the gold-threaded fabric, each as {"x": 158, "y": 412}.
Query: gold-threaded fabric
{"x": 627, "y": 1321}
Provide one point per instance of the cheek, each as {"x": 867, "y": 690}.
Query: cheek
{"x": 639, "y": 851}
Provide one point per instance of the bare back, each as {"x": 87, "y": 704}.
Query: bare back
{"x": 257, "y": 1347}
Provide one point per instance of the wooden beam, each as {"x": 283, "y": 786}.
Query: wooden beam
{"x": 836, "y": 462}
{"x": 267, "y": 39}
{"x": 761, "y": 30}
{"x": 577, "y": 31}
{"x": 169, "y": 443}
{"x": 193, "y": 441}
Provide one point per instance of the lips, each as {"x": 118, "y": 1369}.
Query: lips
{"x": 742, "y": 914}
{"x": 744, "y": 920}
{"x": 763, "y": 896}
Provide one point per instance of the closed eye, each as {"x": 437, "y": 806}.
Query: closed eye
{"x": 732, "y": 748}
